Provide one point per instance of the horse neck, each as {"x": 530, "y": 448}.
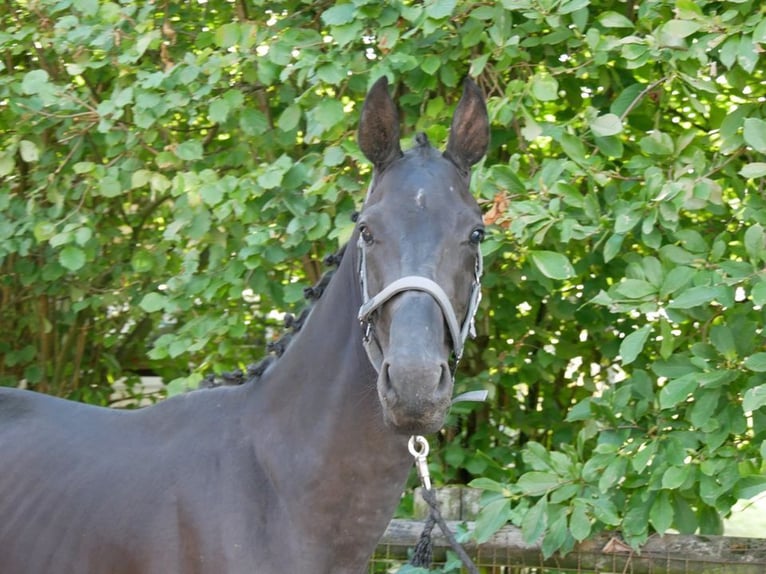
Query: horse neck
{"x": 318, "y": 408}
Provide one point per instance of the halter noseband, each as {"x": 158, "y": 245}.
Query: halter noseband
{"x": 458, "y": 332}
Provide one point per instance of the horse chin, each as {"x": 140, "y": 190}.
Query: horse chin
{"x": 420, "y": 425}
{"x": 415, "y": 419}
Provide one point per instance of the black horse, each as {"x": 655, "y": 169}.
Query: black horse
{"x": 301, "y": 471}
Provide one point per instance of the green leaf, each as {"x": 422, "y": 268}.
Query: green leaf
{"x": 729, "y": 50}
{"x": 657, "y": 143}
{"x": 750, "y": 486}
{"x": 490, "y": 485}
{"x": 688, "y": 9}
{"x": 557, "y": 532}
{"x": 610, "y": 146}
{"x": 759, "y": 33}
{"x": 142, "y": 261}
{"x": 438, "y": 9}
{"x": 704, "y": 408}
{"x": 83, "y": 235}
{"x": 722, "y": 339}
{"x": 579, "y": 523}
{"x": 140, "y": 178}
{"x": 334, "y": 156}
{"x": 758, "y": 294}
{"x": 613, "y": 473}
{"x": 754, "y": 398}
{"x": 534, "y": 522}
{"x": 348, "y": 33}
{"x": 72, "y": 257}
{"x": 753, "y": 170}
{"x": 633, "y": 344}
{"x": 153, "y": 302}
{"x": 635, "y": 288}
{"x": 329, "y": 113}
{"x": 270, "y": 178}
{"x": 339, "y": 14}
{"x": 694, "y": 297}
{"x": 627, "y": 98}
{"x": 673, "y": 32}
{"x": 218, "y": 111}
{"x": 491, "y": 518}
{"x": 676, "y": 391}
{"x": 661, "y": 512}
{"x": 755, "y": 134}
{"x": 606, "y": 125}
{"x": 110, "y": 186}
{"x": 677, "y": 278}
{"x": 612, "y": 247}
{"x": 675, "y": 476}
{"x": 28, "y": 151}
{"x": 611, "y": 19}
{"x": 605, "y": 511}
{"x": 747, "y": 55}
{"x": 87, "y": 7}
{"x": 570, "y": 6}
{"x": 35, "y": 82}
{"x": 7, "y": 163}
{"x": 289, "y": 118}
{"x": 44, "y": 230}
{"x": 755, "y": 241}
{"x": 536, "y": 483}
{"x": 211, "y": 194}
{"x": 431, "y": 64}
{"x": 253, "y": 122}
{"x": 544, "y": 87}
{"x": 552, "y": 264}
{"x": 626, "y": 221}
{"x": 189, "y": 150}
{"x": 643, "y": 457}
{"x": 756, "y": 362}
{"x": 581, "y": 411}
{"x": 84, "y": 167}
{"x": 159, "y": 182}
{"x": 228, "y": 35}
{"x": 573, "y": 147}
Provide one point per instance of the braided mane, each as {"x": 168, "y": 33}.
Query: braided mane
{"x": 292, "y": 325}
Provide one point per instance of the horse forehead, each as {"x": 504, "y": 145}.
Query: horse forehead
{"x": 426, "y": 182}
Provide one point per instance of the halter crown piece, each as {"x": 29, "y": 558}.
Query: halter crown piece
{"x": 459, "y": 332}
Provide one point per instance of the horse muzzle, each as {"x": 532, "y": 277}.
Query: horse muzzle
{"x": 415, "y": 394}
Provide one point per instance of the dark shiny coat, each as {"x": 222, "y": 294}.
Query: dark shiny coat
{"x": 296, "y": 473}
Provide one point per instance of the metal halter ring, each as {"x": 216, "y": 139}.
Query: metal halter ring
{"x": 422, "y": 446}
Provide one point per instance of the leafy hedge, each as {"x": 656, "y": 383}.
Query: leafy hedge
{"x": 173, "y": 172}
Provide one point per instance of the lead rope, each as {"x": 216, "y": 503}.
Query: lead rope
{"x": 423, "y": 553}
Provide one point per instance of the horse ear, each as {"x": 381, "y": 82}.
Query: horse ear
{"x": 469, "y": 133}
{"x": 379, "y": 126}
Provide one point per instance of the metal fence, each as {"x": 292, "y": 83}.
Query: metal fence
{"x": 506, "y": 553}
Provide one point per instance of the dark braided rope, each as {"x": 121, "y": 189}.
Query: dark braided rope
{"x": 423, "y": 549}
{"x": 423, "y": 554}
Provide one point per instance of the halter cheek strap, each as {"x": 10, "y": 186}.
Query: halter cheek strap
{"x": 458, "y": 332}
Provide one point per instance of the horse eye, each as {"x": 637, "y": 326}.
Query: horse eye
{"x": 366, "y": 234}
{"x": 477, "y": 235}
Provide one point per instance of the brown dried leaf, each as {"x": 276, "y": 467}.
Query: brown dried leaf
{"x": 497, "y": 213}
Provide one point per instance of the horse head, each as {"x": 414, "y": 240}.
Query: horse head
{"x": 418, "y": 238}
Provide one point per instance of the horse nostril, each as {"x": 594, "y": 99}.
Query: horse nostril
{"x": 387, "y": 385}
{"x": 445, "y": 380}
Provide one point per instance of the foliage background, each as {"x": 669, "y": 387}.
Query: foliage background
{"x": 174, "y": 171}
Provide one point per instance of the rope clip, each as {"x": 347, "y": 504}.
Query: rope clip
{"x": 418, "y": 447}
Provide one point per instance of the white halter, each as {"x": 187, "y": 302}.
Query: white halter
{"x": 458, "y": 332}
